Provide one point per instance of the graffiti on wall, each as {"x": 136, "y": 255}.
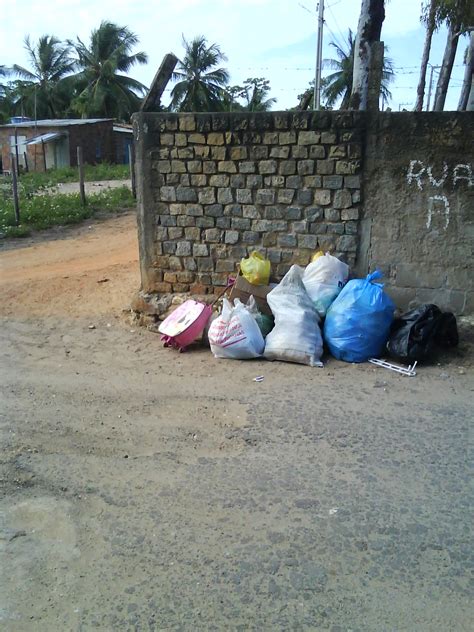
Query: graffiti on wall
{"x": 423, "y": 176}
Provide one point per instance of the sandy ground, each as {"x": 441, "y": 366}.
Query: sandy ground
{"x": 74, "y": 272}
{"x": 89, "y": 187}
{"x": 142, "y": 489}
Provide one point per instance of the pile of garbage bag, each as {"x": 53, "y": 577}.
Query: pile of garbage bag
{"x": 358, "y": 321}
{"x": 296, "y": 336}
{"x": 311, "y": 307}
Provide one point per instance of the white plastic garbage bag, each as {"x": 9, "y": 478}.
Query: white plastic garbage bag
{"x": 235, "y": 333}
{"x": 296, "y": 336}
{"x": 323, "y": 279}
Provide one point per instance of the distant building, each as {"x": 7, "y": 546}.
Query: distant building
{"x": 52, "y": 143}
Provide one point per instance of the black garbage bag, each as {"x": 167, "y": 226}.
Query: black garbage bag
{"x": 417, "y": 333}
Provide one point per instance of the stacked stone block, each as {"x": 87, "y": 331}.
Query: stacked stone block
{"x": 219, "y": 186}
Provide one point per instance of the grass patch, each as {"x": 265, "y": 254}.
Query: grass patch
{"x": 29, "y": 183}
{"x": 43, "y": 211}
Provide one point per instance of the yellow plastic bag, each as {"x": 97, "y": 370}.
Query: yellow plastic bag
{"x": 316, "y": 255}
{"x": 256, "y": 269}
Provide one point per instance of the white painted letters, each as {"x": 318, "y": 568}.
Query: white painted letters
{"x": 458, "y": 174}
{"x": 422, "y": 176}
{"x": 433, "y": 181}
{"x": 432, "y": 208}
{"x": 416, "y": 175}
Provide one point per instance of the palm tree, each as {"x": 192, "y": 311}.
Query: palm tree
{"x": 339, "y": 84}
{"x": 253, "y": 92}
{"x": 101, "y": 87}
{"x": 6, "y": 101}
{"x": 428, "y": 17}
{"x": 371, "y": 18}
{"x": 256, "y": 91}
{"x": 39, "y": 91}
{"x": 4, "y": 72}
{"x": 459, "y": 18}
{"x": 466, "y": 99}
{"x": 200, "y": 85}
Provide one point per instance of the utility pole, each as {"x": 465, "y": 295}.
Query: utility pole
{"x": 319, "y": 61}
{"x": 430, "y": 88}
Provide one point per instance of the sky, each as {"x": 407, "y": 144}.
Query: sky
{"x": 275, "y": 39}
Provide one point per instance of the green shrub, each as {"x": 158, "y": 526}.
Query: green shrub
{"x": 33, "y": 181}
{"x": 43, "y": 211}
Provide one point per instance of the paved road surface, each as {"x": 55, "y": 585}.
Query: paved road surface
{"x": 148, "y": 490}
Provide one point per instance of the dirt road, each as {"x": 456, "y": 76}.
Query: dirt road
{"x": 86, "y": 271}
{"x": 142, "y": 489}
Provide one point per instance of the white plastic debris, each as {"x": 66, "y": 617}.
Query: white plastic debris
{"x": 403, "y": 370}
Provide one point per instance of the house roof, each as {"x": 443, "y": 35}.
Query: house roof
{"x": 45, "y": 138}
{"x": 57, "y": 122}
{"x": 122, "y": 129}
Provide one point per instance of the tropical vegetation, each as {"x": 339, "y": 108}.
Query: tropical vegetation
{"x": 42, "y": 205}
{"x": 41, "y": 89}
{"x": 200, "y": 81}
{"x": 252, "y": 96}
{"x": 102, "y": 87}
{"x": 74, "y": 78}
{"x": 336, "y": 87}
{"x": 458, "y": 16}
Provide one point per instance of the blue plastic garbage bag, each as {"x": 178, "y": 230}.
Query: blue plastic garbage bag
{"x": 358, "y": 322}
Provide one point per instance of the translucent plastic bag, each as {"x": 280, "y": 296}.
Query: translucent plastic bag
{"x": 296, "y": 336}
{"x": 357, "y": 324}
{"x": 323, "y": 279}
{"x": 264, "y": 321}
{"x": 235, "y": 333}
{"x": 256, "y": 269}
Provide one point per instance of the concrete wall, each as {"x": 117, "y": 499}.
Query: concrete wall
{"x": 388, "y": 190}
{"x": 418, "y": 211}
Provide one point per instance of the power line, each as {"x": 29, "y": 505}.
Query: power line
{"x": 335, "y": 21}
{"x": 335, "y": 38}
{"x": 308, "y": 68}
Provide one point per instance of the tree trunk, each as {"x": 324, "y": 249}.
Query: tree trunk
{"x": 375, "y": 76}
{"x": 470, "y": 101}
{"x": 446, "y": 67}
{"x": 430, "y": 25}
{"x": 306, "y": 100}
{"x": 372, "y": 15}
{"x": 468, "y": 75}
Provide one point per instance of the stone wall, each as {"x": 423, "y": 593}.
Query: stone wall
{"x": 387, "y": 190}
{"x": 418, "y": 211}
{"x": 215, "y": 187}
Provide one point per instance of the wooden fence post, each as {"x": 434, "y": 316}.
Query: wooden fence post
{"x": 131, "y": 161}
{"x": 44, "y": 155}
{"x": 17, "y": 155}
{"x": 80, "y": 166}
{"x": 15, "y": 189}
